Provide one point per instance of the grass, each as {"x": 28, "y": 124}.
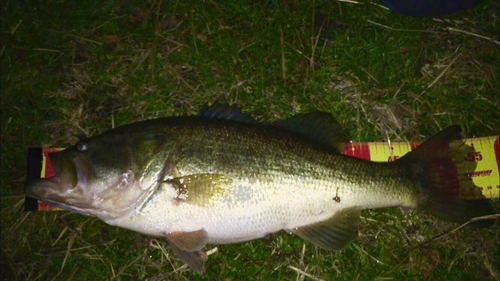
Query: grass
{"x": 76, "y": 68}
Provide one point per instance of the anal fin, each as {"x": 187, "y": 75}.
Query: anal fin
{"x": 334, "y": 233}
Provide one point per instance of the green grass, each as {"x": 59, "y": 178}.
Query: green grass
{"x": 73, "y": 68}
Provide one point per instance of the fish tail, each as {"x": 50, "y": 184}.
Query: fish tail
{"x": 436, "y": 165}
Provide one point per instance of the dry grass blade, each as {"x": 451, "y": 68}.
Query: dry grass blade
{"x": 46, "y": 50}
{"x": 457, "y": 228}
{"x": 68, "y": 251}
{"x": 124, "y": 268}
{"x": 360, "y": 3}
{"x": 444, "y": 71}
{"x": 369, "y": 75}
{"x": 283, "y": 60}
{"x": 212, "y": 251}
{"x": 301, "y": 262}
{"x": 12, "y": 196}
{"x": 441, "y": 236}
{"x": 473, "y": 34}
{"x": 366, "y": 253}
{"x": 401, "y": 29}
{"x": 305, "y": 273}
{"x": 60, "y": 235}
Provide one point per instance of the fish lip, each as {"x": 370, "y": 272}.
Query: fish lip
{"x": 54, "y": 190}
{"x": 38, "y": 188}
{"x": 43, "y": 189}
{"x": 61, "y": 205}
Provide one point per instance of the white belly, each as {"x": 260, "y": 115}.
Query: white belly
{"x": 249, "y": 212}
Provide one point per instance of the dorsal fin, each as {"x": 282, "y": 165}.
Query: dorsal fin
{"x": 318, "y": 126}
{"x": 226, "y": 112}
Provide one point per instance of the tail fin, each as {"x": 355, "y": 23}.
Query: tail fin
{"x": 438, "y": 165}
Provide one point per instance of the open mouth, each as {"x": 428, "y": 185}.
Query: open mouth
{"x": 58, "y": 187}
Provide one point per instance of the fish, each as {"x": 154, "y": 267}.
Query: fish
{"x": 222, "y": 177}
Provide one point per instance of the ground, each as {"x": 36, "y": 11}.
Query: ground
{"x": 71, "y": 69}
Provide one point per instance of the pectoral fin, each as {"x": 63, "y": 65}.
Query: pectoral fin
{"x": 202, "y": 189}
{"x": 187, "y": 246}
{"x": 335, "y": 233}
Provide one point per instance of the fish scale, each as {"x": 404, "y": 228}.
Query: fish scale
{"x": 271, "y": 175}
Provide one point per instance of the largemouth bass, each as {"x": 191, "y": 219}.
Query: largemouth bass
{"x": 223, "y": 177}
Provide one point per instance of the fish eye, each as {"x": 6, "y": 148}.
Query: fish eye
{"x": 82, "y": 146}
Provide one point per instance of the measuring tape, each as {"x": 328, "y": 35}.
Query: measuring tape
{"x": 485, "y": 177}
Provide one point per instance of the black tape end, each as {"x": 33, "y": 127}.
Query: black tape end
{"x": 33, "y": 171}
{"x": 30, "y": 204}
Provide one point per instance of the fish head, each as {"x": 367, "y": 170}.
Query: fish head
{"x": 94, "y": 177}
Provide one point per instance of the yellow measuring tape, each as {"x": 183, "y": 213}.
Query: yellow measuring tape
{"x": 486, "y": 176}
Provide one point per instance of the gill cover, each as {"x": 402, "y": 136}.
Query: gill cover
{"x": 99, "y": 176}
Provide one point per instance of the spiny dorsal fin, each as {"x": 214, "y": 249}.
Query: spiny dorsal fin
{"x": 320, "y": 127}
{"x": 317, "y": 126}
{"x": 225, "y": 111}
{"x": 202, "y": 189}
{"x": 335, "y": 233}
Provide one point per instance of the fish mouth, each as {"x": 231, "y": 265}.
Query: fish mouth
{"x": 40, "y": 188}
{"x": 59, "y": 188}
